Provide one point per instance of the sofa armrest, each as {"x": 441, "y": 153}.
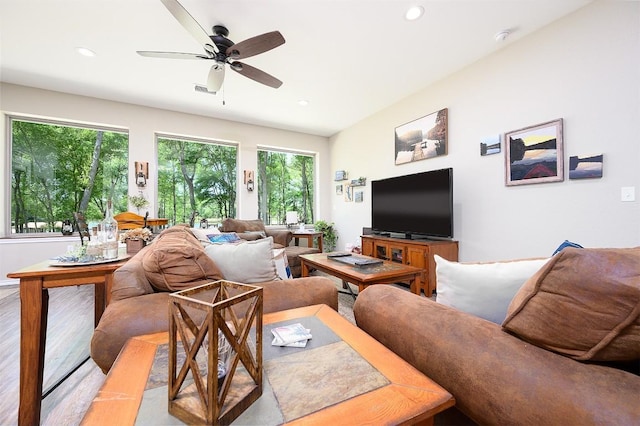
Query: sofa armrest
{"x": 280, "y": 236}
{"x": 129, "y": 280}
{"x": 289, "y": 294}
{"x": 495, "y": 377}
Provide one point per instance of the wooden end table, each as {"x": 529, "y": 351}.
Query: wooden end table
{"x": 386, "y": 272}
{"x": 310, "y": 237}
{"x": 35, "y": 282}
{"x": 342, "y": 376}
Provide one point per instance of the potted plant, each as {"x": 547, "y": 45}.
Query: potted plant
{"x": 136, "y": 239}
{"x": 329, "y": 234}
{"x": 138, "y": 201}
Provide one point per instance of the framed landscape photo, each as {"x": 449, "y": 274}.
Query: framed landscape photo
{"x": 534, "y": 154}
{"x": 423, "y": 138}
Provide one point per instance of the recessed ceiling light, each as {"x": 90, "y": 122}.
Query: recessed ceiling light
{"x": 85, "y": 52}
{"x": 303, "y": 102}
{"x": 414, "y": 13}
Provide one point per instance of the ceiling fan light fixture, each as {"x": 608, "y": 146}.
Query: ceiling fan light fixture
{"x": 216, "y": 77}
{"x": 413, "y": 13}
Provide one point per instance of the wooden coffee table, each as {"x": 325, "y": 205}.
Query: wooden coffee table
{"x": 342, "y": 376}
{"x": 386, "y": 272}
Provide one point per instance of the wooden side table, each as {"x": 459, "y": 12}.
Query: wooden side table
{"x": 35, "y": 282}
{"x": 309, "y": 236}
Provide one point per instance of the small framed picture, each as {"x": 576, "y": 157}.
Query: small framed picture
{"x": 340, "y": 175}
{"x": 338, "y": 189}
{"x": 534, "y": 154}
{"x": 585, "y": 167}
{"x": 490, "y": 145}
{"x": 358, "y": 197}
{"x": 348, "y": 193}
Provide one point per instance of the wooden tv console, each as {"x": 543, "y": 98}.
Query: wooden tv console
{"x": 418, "y": 253}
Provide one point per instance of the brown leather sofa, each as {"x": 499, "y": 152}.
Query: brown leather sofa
{"x": 174, "y": 261}
{"x": 497, "y": 377}
{"x": 246, "y": 229}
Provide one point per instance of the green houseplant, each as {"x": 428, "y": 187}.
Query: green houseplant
{"x": 329, "y": 234}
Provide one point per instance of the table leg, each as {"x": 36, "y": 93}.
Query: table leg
{"x": 320, "y": 243}
{"x": 34, "y": 305}
{"x": 346, "y": 286}
{"x": 415, "y": 286}
{"x": 99, "y": 302}
{"x": 304, "y": 269}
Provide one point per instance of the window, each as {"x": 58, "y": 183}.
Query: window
{"x": 60, "y": 168}
{"x": 196, "y": 181}
{"x": 285, "y": 183}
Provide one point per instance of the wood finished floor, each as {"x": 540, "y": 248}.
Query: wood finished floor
{"x": 69, "y": 330}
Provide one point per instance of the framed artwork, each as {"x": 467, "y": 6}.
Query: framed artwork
{"x": 358, "y": 196}
{"x": 340, "y": 175}
{"x": 586, "y": 167}
{"x": 338, "y": 189}
{"x": 490, "y": 145}
{"x": 348, "y": 193}
{"x": 423, "y": 138}
{"x": 534, "y": 154}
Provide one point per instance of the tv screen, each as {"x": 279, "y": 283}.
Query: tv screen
{"x": 420, "y": 204}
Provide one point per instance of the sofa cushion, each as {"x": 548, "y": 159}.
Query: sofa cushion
{"x": 584, "y": 303}
{"x": 482, "y": 289}
{"x": 176, "y": 260}
{"x": 241, "y": 225}
{"x": 248, "y": 262}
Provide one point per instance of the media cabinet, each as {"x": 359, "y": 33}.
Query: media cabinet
{"x": 418, "y": 253}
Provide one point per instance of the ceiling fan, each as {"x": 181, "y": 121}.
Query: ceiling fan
{"x": 219, "y": 49}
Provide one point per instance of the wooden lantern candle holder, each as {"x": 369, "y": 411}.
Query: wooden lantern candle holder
{"x": 205, "y": 320}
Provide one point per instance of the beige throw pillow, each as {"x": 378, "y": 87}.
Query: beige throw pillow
{"x": 248, "y": 262}
{"x": 584, "y": 303}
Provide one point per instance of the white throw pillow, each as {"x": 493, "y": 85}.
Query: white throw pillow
{"x": 482, "y": 289}
{"x": 248, "y": 262}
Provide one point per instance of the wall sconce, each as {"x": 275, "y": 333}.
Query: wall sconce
{"x": 142, "y": 173}
{"x": 248, "y": 179}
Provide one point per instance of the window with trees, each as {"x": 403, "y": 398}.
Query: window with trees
{"x": 196, "y": 181}
{"x": 285, "y": 183}
{"x": 60, "y": 168}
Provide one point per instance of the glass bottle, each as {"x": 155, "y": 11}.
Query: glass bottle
{"x": 109, "y": 234}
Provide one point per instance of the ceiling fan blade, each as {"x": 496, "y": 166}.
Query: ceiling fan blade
{"x": 171, "y": 55}
{"x": 255, "y": 45}
{"x": 216, "y": 77}
{"x": 256, "y": 74}
{"x": 189, "y": 23}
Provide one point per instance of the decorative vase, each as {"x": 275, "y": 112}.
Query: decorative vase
{"x": 134, "y": 245}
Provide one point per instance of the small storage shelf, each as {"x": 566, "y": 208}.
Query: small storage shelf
{"x": 418, "y": 253}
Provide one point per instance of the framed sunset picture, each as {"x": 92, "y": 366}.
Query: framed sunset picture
{"x": 534, "y": 154}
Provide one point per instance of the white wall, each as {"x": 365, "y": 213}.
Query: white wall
{"x": 585, "y": 69}
{"x": 143, "y": 123}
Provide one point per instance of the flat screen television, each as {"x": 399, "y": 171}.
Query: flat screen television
{"x": 418, "y": 205}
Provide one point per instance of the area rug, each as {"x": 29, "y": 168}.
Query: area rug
{"x": 345, "y": 306}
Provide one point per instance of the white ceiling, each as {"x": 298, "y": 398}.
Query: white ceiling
{"x": 348, "y": 58}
